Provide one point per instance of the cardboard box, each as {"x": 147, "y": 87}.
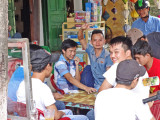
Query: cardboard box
{"x": 70, "y": 20}
{"x": 88, "y": 6}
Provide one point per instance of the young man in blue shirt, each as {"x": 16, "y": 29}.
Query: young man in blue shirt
{"x": 146, "y": 23}
{"x": 66, "y": 70}
{"x": 99, "y": 57}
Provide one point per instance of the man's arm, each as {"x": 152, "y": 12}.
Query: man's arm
{"x": 151, "y": 95}
{"x": 75, "y": 82}
{"x": 105, "y": 85}
{"x": 153, "y": 118}
{"x": 57, "y": 95}
{"x": 81, "y": 36}
{"x": 77, "y": 75}
{"x": 57, "y": 114}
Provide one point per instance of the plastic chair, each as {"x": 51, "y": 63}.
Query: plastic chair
{"x": 155, "y": 109}
{"x": 55, "y": 86}
{"x": 40, "y": 112}
{"x": 13, "y": 85}
{"x": 20, "y": 109}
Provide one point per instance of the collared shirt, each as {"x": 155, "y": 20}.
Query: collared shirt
{"x": 98, "y": 64}
{"x": 152, "y": 25}
{"x": 60, "y": 69}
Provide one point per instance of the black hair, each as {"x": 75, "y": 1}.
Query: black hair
{"x": 34, "y": 47}
{"x": 141, "y": 47}
{"x": 127, "y": 83}
{"x": 40, "y": 67}
{"x": 68, "y": 43}
{"x": 143, "y": 37}
{"x": 96, "y": 31}
{"x": 125, "y": 41}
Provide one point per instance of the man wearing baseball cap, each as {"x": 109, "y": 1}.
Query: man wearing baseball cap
{"x": 41, "y": 62}
{"x": 120, "y": 103}
{"x": 146, "y": 23}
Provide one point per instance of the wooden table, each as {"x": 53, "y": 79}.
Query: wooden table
{"x": 80, "y": 100}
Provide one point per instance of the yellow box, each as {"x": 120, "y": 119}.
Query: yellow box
{"x": 70, "y": 19}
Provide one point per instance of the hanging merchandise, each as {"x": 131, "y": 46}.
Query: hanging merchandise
{"x": 114, "y": 18}
{"x": 105, "y": 2}
{"x": 113, "y": 1}
{"x": 105, "y": 15}
{"x": 114, "y": 10}
{"x": 134, "y": 1}
{"x": 125, "y": 13}
{"x": 134, "y": 14}
{"x": 125, "y": 1}
{"x": 126, "y": 28}
{"x": 140, "y": 3}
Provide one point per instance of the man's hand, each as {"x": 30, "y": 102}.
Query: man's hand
{"x": 57, "y": 95}
{"x": 59, "y": 115}
{"x": 62, "y": 113}
{"x": 85, "y": 26}
{"x": 77, "y": 60}
{"x": 80, "y": 33}
{"x": 90, "y": 90}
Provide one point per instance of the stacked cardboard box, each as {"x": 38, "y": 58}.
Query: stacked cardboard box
{"x": 82, "y": 16}
{"x": 92, "y": 13}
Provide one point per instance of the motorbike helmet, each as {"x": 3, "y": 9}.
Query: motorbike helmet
{"x": 140, "y": 4}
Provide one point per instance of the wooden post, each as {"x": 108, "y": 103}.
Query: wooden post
{"x": 3, "y": 58}
{"x": 31, "y": 19}
{"x": 35, "y": 19}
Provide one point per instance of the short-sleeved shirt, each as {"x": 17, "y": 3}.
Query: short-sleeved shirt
{"x": 98, "y": 64}
{"x": 41, "y": 94}
{"x": 60, "y": 69}
{"x": 120, "y": 104}
{"x": 152, "y": 25}
{"x": 141, "y": 90}
{"x": 154, "y": 71}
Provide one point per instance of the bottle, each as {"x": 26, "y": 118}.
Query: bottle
{"x": 34, "y": 111}
{"x": 35, "y": 42}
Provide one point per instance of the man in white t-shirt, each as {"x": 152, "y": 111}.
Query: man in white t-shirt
{"x": 120, "y": 102}
{"x": 41, "y": 62}
{"x": 120, "y": 49}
